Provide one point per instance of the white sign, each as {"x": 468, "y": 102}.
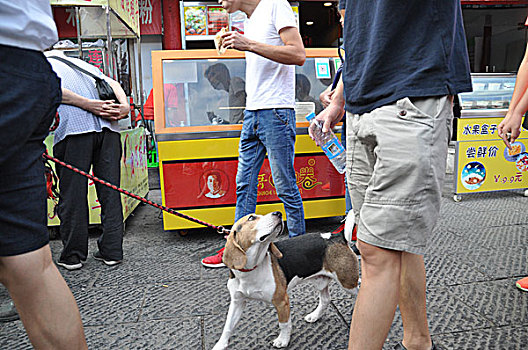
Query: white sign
{"x": 322, "y": 68}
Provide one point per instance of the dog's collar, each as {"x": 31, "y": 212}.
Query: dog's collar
{"x": 247, "y": 270}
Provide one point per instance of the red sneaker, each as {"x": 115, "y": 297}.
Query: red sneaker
{"x": 522, "y": 284}
{"x": 214, "y": 260}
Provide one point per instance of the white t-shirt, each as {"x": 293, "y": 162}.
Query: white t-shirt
{"x": 27, "y": 24}
{"x": 269, "y": 84}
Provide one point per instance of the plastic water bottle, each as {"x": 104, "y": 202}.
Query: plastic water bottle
{"x": 329, "y": 142}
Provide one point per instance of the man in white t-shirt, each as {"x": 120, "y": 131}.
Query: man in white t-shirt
{"x": 273, "y": 47}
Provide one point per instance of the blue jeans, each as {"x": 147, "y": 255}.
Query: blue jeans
{"x": 271, "y": 131}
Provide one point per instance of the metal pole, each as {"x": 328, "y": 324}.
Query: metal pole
{"x": 109, "y": 44}
{"x": 140, "y": 69}
{"x": 79, "y": 32}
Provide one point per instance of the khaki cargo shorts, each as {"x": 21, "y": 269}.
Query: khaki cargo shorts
{"x": 396, "y": 162}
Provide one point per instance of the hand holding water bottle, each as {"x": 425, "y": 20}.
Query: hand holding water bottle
{"x": 328, "y": 142}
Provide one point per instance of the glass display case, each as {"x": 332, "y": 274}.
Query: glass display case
{"x": 491, "y": 95}
{"x": 199, "y": 100}
{"x": 212, "y": 92}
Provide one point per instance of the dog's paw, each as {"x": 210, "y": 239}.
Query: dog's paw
{"x": 281, "y": 342}
{"x": 312, "y": 317}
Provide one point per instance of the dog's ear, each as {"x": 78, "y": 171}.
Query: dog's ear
{"x": 275, "y": 251}
{"x": 234, "y": 256}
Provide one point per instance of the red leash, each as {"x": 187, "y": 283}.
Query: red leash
{"x": 220, "y": 229}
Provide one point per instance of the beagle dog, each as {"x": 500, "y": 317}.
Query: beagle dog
{"x": 263, "y": 270}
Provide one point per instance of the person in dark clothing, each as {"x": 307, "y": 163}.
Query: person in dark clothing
{"x": 88, "y": 136}
{"x": 404, "y": 63}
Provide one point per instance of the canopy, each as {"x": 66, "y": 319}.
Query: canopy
{"x": 124, "y": 17}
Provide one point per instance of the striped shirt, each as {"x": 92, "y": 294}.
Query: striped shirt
{"x": 75, "y": 120}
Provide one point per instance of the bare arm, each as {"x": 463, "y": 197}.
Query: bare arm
{"x": 511, "y": 124}
{"x": 98, "y": 107}
{"x": 326, "y": 96}
{"x": 124, "y": 107}
{"x": 292, "y": 52}
{"x": 332, "y": 114}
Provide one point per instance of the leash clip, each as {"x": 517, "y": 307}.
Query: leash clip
{"x": 222, "y": 230}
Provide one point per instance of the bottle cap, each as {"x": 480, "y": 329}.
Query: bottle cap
{"x": 310, "y": 116}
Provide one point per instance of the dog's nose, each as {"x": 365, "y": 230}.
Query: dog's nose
{"x": 277, "y": 213}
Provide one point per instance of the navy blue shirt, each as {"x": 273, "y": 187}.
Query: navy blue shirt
{"x": 398, "y": 49}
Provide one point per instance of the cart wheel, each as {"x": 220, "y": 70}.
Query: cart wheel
{"x": 183, "y": 233}
{"x": 457, "y": 198}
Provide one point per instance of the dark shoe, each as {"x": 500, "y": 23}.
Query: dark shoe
{"x": 8, "y": 312}
{"x": 98, "y": 256}
{"x": 72, "y": 263}
{"x": 400, "y": 346}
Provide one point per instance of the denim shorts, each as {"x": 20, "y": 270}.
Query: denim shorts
{"x": 396, "y": 160}
{"x": 29, "y": 98}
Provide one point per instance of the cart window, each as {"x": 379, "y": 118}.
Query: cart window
{"x": 310, "y": 80}
{"x": 201, "y": 92}
{"x": 489, "y": 92}
{"x": 204, "y": 92}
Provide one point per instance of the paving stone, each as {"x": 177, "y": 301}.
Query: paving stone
{"x": 13, "y": 336}
{"x": 161, "y": 297}
{"x": 171, "y": 334}
{"x": 500, "y": 262}
{"x": 450, "y": 270}
{"x": 258, "y": 327}
{"x": 186, "y": 298}
{"x": 140, "y": 272}
{"x": 110, "y": 305}
{"x": 498, "y": 301}
{"x": 512, "y": 200}
{"x": 499, "y": 338}
{"x": 445, "y": 314}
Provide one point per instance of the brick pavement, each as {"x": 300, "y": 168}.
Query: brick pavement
{"x": 162, "y": 298}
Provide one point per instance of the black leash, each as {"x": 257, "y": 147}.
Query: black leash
{"x": 220, "y": 229}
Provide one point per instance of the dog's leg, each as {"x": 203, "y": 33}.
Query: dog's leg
{"x": 236, "y": 307}
{"x": 283, "y": 310}
{"x": 324, "y": 299}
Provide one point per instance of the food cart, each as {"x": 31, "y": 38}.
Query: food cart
{"x": 197, "y": 111}
{"x": 482, "y": 162}
{"x": 107, "y": 21}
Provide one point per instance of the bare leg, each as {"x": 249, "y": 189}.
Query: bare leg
{"x": 377, "y": 297}
{"x": 412, "y": 303}
{"x": 43, "y": 300}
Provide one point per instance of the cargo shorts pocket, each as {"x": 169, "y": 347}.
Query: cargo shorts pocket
{"x": 420, "y": 110}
